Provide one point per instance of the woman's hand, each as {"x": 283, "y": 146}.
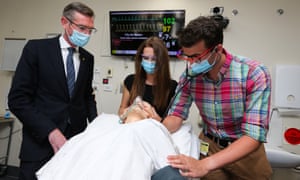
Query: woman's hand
{"x": 150, "y": 111}
{"x": 139, "y": 111}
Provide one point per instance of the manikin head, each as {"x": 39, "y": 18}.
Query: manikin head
{"x": 139, "y": 110}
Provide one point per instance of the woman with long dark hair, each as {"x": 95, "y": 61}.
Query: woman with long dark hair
{"x": 152, "y": 79}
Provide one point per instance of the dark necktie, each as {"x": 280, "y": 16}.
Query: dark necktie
{"x": 70, "y": 71}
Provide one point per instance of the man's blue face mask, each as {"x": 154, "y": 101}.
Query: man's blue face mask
{"x": 79, "y": 39}
{"x": 200, "y": 67}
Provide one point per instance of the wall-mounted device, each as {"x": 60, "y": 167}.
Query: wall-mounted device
{"x": 287, "y": 88}
{"x": 217, "y": 14}
{"x": 12, "y": 51}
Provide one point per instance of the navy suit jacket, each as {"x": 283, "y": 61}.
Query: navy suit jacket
{"x": 39, "y": 96}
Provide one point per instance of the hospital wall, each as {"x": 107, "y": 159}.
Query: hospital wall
{"x": 257, "y": 31}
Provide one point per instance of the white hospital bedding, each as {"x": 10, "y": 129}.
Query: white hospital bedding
{"x": 112, "y": 151}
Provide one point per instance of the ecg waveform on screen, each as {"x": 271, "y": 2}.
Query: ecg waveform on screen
{"x": 141, "y": 27}
{"x": 125, "y": 18}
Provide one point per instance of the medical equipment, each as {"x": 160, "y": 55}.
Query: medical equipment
{"x": 282, "y": 147}
{"x": 186, "y": 80}
{"x": 287, "y": 90}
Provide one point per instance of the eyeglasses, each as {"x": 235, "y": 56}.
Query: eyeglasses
{"x": 83, "y": 28}
{"x": 180, "y": 55}
{"x": 149, "y": 58}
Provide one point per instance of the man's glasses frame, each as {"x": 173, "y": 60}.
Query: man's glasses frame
{"x": 83, "y": 28}
{"x": 180, "y": 55}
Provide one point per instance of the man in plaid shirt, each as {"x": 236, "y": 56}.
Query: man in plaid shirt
{"x": 232, "y": 94}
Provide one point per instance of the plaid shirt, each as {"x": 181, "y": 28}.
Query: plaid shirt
{"x": 238, "y": 104}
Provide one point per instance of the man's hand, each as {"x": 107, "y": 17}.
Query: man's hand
{"x": 188, "y": 166}
{"x": 56, "y": 139}
{"x": 191, "y": 167}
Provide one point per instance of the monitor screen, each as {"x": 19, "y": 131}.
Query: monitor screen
{"x": 128, "y": 29}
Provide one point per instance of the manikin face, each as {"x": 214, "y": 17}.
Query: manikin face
{"x": 138, "y": 111}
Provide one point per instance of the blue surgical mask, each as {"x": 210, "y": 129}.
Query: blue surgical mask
{"x": 200, "y": 67}
{"x": 149, "y": 66}
{"x": 79, "y": 39}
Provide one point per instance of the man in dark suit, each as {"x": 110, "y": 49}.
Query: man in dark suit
{"x": 52, "y": 104}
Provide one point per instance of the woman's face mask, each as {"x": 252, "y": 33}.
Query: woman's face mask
{"x": 148, "y": 66}
{"x": 79, "y": 39}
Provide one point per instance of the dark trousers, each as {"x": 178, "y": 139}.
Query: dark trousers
{"x": 29, "y": 168}
{"x": 167, "y": 173}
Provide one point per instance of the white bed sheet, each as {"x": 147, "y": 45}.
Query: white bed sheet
{"x": 112, "y": 151}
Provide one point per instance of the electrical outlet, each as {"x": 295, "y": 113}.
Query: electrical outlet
{"x": 95, "y": 86}
{"x": 96, "y": 70}
{"x": 109, "y": 72}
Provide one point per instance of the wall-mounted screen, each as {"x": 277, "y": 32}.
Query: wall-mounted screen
{"x": 128, "y": 29}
